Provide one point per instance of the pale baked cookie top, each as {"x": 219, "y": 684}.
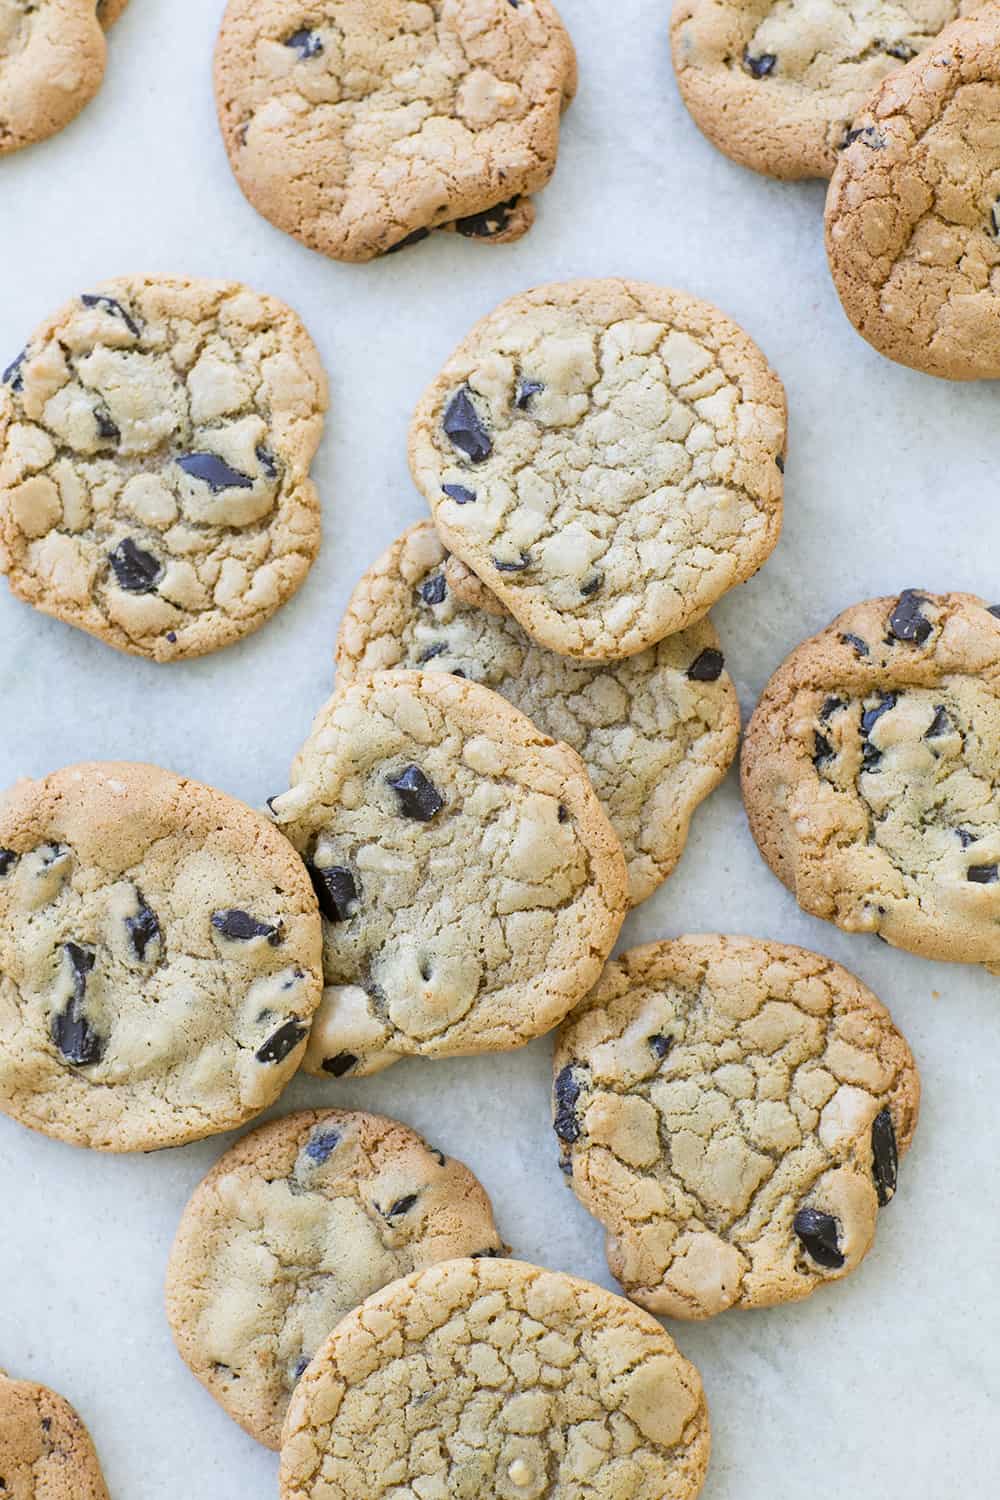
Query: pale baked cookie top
{"x": 656, "y": 731}
{"x": 360, "y": 125}
{"x": 295, "y": 1226}
{"x": 159, "y": 958}
{"x": 496, "y": 1378}
{"x": 733, "y": 1112}
{"x": 155, "y": 442}
{"x": 777, "y": 84}
{"x": 607, "y": 456}
{"x": 52, "y": 58}
{"x": 45, "y": 1450}
{"x": 470, "y": 882}
{"x": 871, "y": 774}
{"x": 913, "y": 211}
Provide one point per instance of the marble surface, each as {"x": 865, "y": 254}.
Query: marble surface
{"x": 884, "y": 1387}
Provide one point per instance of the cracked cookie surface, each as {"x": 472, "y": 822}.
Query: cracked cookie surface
{"x": 777, "y": 84}
{"x": 45, "y": 1451}
{"x": 358, "y": 126}
{"x": 159, "y": 958}
{"x": 871, "y": 774}
{"x": 52, "y": 59}
{"x": 294, "y": 1227}
{"x": 607, "y": 456}
{"x": 913, "y": 211}
{"x": 155, "y": 442}
{"x": 492, "y": 1377}
{"x": 733, "y": 1112}
{"x": 656, "y": 732}
{"x": 470, "y": 882}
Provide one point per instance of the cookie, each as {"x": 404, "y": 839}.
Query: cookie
{"x": 913, "y": 211}
{"x": 45, "y": 1450}
{"x": 779, "y": 87}
{"x": 358, "y": 126}
{"x": 109, "y": 11}
{"x": 470, "y": 883}
{"x": 155, "y": 442}
{"x": 656, "y": 731}
{"x": 52, "y": 59}
{"x": 492, "y": 1377}
{"x": 159, "y": 958}
{"x": 733, "y": 1111}
{"x": 607, "y": 456}
{"x": 296, "y": 1225}
{"x": 870, "y": 774}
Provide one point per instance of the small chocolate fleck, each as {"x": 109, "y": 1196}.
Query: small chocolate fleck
{"x": 339, "y": 1065}
{"x": 267, "y": 461}
{"x": 885, "y": 1156}
{"x": 524, "y": 561}
{"x": 867, "y": 135}
{"x": 563, "y": 813}
{"x": 400, "y": 1207}
{"x": 429, "y": 652}
{"x": 494, "y": 1254}
{"x": 418, "y": 797}
{"x": 109, "y": 305}
{"x": 13, "y": 375}
{"x": 143, "y": 927}
{"x": 965, "y": 838}
{"x": 820, "y": 1235}
{"x": 567, "y": 1092}
{"x": 433, "y": 590}
{"x": 982, "y": 874}
{"x": 906, "y": 622}
{"x": 566, "y": 1165}
{"x": 301, "y": 1367}
{"x": 306, "y": 43}
{"x": 779, "y": 459}
{"x": 592, "y": 585}
{"x": 761, "y": 66}
{"x": 106, "y": 429}
{"x": 940, "y": 724}
{"x": 902, "y": 51}
{"x": 284, "y": 1040}
{"x": 861, "y": 647}
{"x": 336, "y": 890}
{"x": 241, "y": 927}
{"x": 660, "y": 1044}
{"x": 441, "y": 1158}
{"x": 459, "y": 494}
{"x": 172, "y": 637}
{"x": 213, "y": 471}
{"x": 707, "y": 666}
{"x": 526, "y": 389}
{"x": 8, "y": 859}
{"x": 137, "y": 571}
{"x": 464, "y": 426}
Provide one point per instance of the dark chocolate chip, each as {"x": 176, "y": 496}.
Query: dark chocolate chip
{"x": 463, "y": 425}
{"x": 823, "y": 751}
{"x": 525, "y": 390}
{"x": 982, "y": 874}
{"x": 965, "y": 838}
{"x": 867, "y": 135}
{"x": 820, "y": 1234}
{"x": 413, "y": 238}
{"x": 761, "y": 66}
{"x": 306, "y": 43}
{"x": 301, "y": 1367}
{"x": 267, "y": 461}
{"x": 8, "y": 859}
{"x": 459, "y": 494}
{"x": 995, "y": 219}
{"x": 109, "y": 305}
{"x": 871, "y": 716}
{"x": 241, "y": 927}
{"x": 433, "y": 590}
{"x": 429, "y": 652}
{"x": 72, "y": 1033}
{"x": 492, "y": 221}
{"x": 339, "y": 1065}
{"x": 592, "y": 585}
{"x": 213, "y": 471}
{"x": 779, "y": 459}
{"x": 137, "y": 572}
{"x": 860, "y": 646}
{"x": 707, "y": 666}
{"x": 486, "y": 1254}
{"x": 940, "y": 724}
{"x": 284, "y": 1040}
{"x": 871, "y": 758}
{"x": 336, "y": 890}
{"x": 660, "y": 1044}
{"x": 12, "y": 376}
{"x": 566, "y": 1165}
{"x": 172, "y": 637}
{"x": 143, "y": 928}
{"x": 567, "y": 1092}
{"x": 106, "y": 429}
{"x": 418, "y": 797}
{"x": 563, "y": 813}
{"x": 993, "y": 609}
{"x": 902, "y": 51}
{"x": 885, "y": 1156}
{"x": 830, "y": 707}
{"x": 400, "y": 1207}
{"x": 441, "y": 1158}
{"x": 906, "y": 622}
{"x": 524, "y": 561}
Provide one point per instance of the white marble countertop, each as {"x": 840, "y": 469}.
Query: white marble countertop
{"x": 884, "y": 1387}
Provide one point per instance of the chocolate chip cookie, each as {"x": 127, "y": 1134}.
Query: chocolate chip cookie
{"x": 779, "y": 87}
{"x": 607, "y": 456}
{"x": 733, "y": 1111}
{"x": 913, "y": 211}
{"x": 656, "y": 731}
{"x": 155, "y": 442}
{"x": 492, "y": 1377}
{"x": 45, "y": 1450}
{"x": 296, "y": 1225}
{"x": 470, "y": 883}
{"x": 361, "y": 125}
{"x": 871, "y": 774}
{"x": 52, "y": 60}
{"x": 159, "y": 958}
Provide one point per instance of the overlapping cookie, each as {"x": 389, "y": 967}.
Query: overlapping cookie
{"x": 45, "y": 1451}
{"x": 52, "y": 59}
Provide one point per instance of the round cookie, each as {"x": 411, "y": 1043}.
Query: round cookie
{"x": 52, "y": 59}
{"x": 159, "y": 958}
{"x": 155, "y": 442}
{"x": 296, "y": 1225}
{"x": 913, "y": 211}
{"x": 607, "y": 456}
{"x": 778, "y": 87}
{"x": 470, "y": 882}
{"x": 45, "y": 1451}
{"x": 492, "y": 1377}
{"x": 656, "y": 732}
{"x": 871, "y": 774}
{"x": 358, "y": 126}
{"x": 733, "y": 1111}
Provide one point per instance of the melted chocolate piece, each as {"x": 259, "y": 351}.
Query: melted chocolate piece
{"x": 213, "y": 471}
{"x": 464, "y": 427}
{"x": 137, "y": 572}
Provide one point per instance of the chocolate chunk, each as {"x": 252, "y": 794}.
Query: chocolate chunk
{"x": 906, "y": 622}
{"x": 12, "y": 376}
{"x": 8, "y": 859}
{"x": 965, "y": 838}
{"x": 109, "y": 305}
{"x": 306, "y": 43}
{"x": 860, "y": 646}
{"x": 900, "y": 50}
{"x": 660, "y": 1044}
{"x": 213, "y": 471}
{"x": 761, "y": 66}
{"x": 322, "y": 1144}
{"x": 143, "y": 928}
{"x": 995, "y": 218}
{"x": 563, "y": 813}
{"x": 524, "y": 561}
{"x": 820, "y": 1234}
{"x": 982, "y": 874}
{"x": 267, "y": 461}
{"x": 830, "y": 707}
{"x": 339, "y": 1065}
{"x": 106, "y": 429}
{"x": 940, "y": 724}
{"x": 241, "y": 927}
{"x": 495, "y": 1254}
{"x": 400, "y": 1207}
{"x": 429, "y": 652}
{"x": 993, "y": 609}
{"x": 433, "y": 590}
{"x": 284, "y": 1040}
{"x": 871, "y": 716}
{"x": 779, "y": 459}
{"x": 707, "y": 666}
{"x": 567, "y": 1092}
{"x": 867, "y": 135}
{"x": 870, "y": 757}
{"x": 592, "y": 585}
{"x": 459, "y": 494}
{"x": 413, "y": 238}
{"x": 463, "y": 425}
{"x": 336, "y": 890}
{"x": 566, "y": 1166}
{"x": 418, "y": 797}
{"x": 301, "y": 1367}
{"x": 492, "y": 221}
{"x": 823, "y": 751}
{"x": 72, "y": 1033}
{"x": 885, "y": 1156}
{"x": 172, "y": 637}
{"x": 525, "y": 390}
{"x": 137, "y": 572}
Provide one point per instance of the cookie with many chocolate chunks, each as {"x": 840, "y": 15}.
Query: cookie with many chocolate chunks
{"x": 155, "y": 442}
{"x": 733, "y": 1111}
{"x": 52, "y": 60}
{"x": 871, "y": 774}
{"x": 46, "y": 1453}
{"x": 913, "y": 211}
{"x": 159, "y": 958}
{"x": 297, "y": 1224}
{"x": 492, "y": 1377}
{"x": 779, "y": 87}
{"x": 656, "y": 732}
{"x": 470, "y": 883}
{"x": 607, "y": 456}
{"x": 359, "y": 126}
